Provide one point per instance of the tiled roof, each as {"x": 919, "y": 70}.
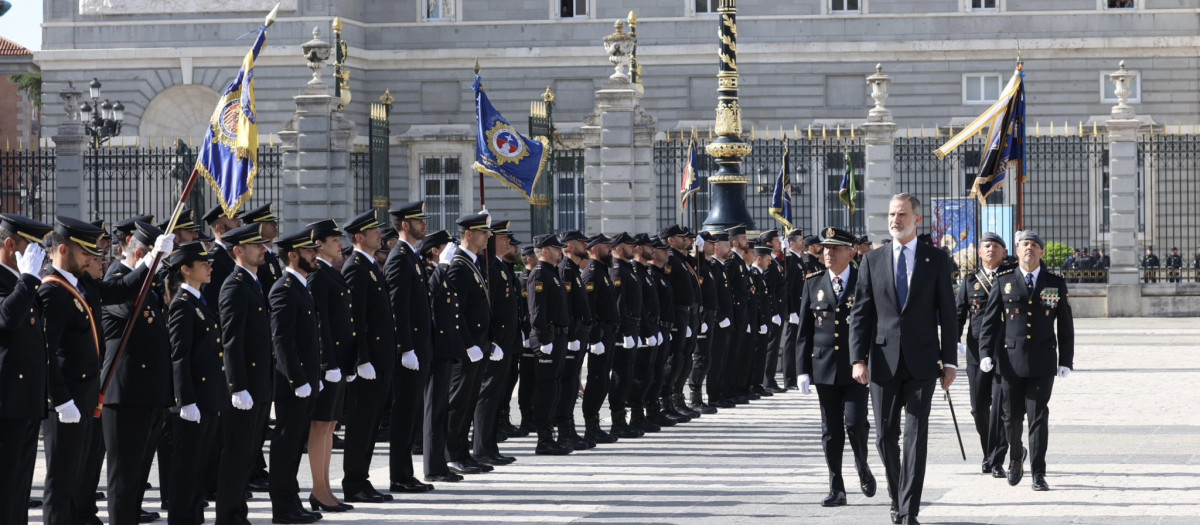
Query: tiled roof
{"x": 10, "y": 48}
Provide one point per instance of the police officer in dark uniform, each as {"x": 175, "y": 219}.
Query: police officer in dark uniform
{"x": 702, "y": 356}
{"x": 223, "y": 263}
{"x": 578, "y": 335}
{"x": 793, "y": 274}
{"x": 528, "y": 361}
{"x": 1150, "y": 266}
{"x": 986, "y": 404}
{"x": 550, "y": 320}
{"x": 741, "y": 338}
{"x": 658, "y": 401}
{"x": 134, "y": 413}
{"x": 504, "y": 424}
{"x": 1032, "y": 303}
{"x": 649, "y": 341}
{"x": 296, "y": 341}
{"x": 1174, "y": 263}
{"x": 505, "y": 332}
{"x": 23, "y": 360}
{"x": 446, "y": 346}
{"x": 246, "y": 337}
{"x": 198, "y": 381}
{"x": 825, "y": 362}
{"x": 767, "y": 317}
{"x": 775, "y": 293}
{"x": 602, "y": 339}
{"x": 187, "y": 229}
{"x": 272, "y": 269}
{"x": 715, "y": 380}
{"x": 628, "y": 295}
{"x": 812, "y": 254}
{"x": 685, "y": 293}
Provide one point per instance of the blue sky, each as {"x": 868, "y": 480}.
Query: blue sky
{"x": 23, "y": 24}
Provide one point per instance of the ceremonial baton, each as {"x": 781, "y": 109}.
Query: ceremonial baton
{"x": 955, "y": 419}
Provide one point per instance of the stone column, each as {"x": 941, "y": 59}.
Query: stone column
{"x": 317, "y": 183}
{"x": 71, "y": 197}
{"x": 878, "y": 133}
{"x": 1124, "y": 291}
{"x": 621, "y": 191}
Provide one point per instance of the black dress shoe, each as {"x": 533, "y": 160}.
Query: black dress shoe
{"x": 987, "y": 466}
{"x": 911, "y": 520}
{"x": 998, "y": 472}
{"x": 551, "y": 448}
{"x": 777, "y": 390}
{"x": 494, "y": 460}
{"x": 481, "y": 466}
{"x": 148, "y": 517}
{"x": 445, "y": 478}
{"x": 296, "y": 516}
{"x": 866, "y": 481}
{"x": 99, "y": 496}
{"x": 896, "y": 517}
{"x": 1039, "y": 483}
{"x": 367, "y": 495}
{"x": 624, "y": 432}
{"x": 410, "y": 485}
{"x": 259, "y": 485}
{"x": 1016, "y": 468}
{"x": 35, "y": 503}
{"x": 459, "y": 467}
{"x": 722, "y": 403}
{"x": 660, "y": 420}
{"x": 704, "y": 409}
{"x": 836, "y": 498}
{"x": 338, "y": 442}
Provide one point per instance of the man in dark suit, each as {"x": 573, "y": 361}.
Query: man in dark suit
{"x": 702, "y": 356}
{"x": 467, "y": 278}
{"x": 505, "y": 332}
{"x": 134, "y": 412}
{"x": 986, "y": 407}
{"x": 246, "y": 335}
{"x": 685, "y": 293}
{"x": 824, "y": 338}
{"x": 602, "y": 341}
{"x": 793, "y": 274}
{"x": 903, "y": 297}
{"x": 628, "y": 292}
{"x": 776, "y": 294}
{"x": 296, "y": 341}
{"x": 715, "y": 381}
{"x": 1033, "y": 303}
{"x": 23, "y": 360}
{"x": 574, "y": 255}
{"x": 741, "y": 337}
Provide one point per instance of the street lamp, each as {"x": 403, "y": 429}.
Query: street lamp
{"x": 102, "y": 121}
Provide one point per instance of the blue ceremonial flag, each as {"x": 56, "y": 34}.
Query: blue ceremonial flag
{"x": 781, "y": 198}
{"x": 228, "y": 156}
{"x": 691, "y": 182}
{"x": 1006, "y": 145}
{"x": 501, "y": 151}
{"x": 848, "y": 190}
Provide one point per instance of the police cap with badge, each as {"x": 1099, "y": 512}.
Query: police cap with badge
{"x": 831, "y": 236}
{"x": 436, "y": 239}
{"x": 362, "y": 222}
{"x": 85, "y": 235}
{"x": 250, "y": 233}
{"x": 411, "y": 211}
{"x": 188, "y": 253}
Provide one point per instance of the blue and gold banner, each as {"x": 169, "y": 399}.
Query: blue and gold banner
{"x": 502, "y": 152}
{"x": 781, "y": 197}
{"x": 691, "y": 182}
{"x": 228, "y": 156}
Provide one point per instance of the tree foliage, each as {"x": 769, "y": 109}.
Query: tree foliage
{"x": 30, "y": 85}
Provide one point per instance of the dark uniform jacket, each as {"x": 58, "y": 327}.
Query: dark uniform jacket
{"x": 409, "y": 286}
{"x": 1029, "y": 333}
{"x": 23, "y": 354}
{"x": 246, "y": 335}
{"x": 466, "y": 276}
{"x": 196, "y": 354}
{"x": 334, "y": 302}
{"x": 724, "y": 293}
{"x": 506, "y": 298}
{"x": 776, "y": 290}
{"x": 666, "y": 298}
{"x": 793, "y": 275}
{"x": 739, "y": 287}
{"x": 371, "y": 308}
{"x": 761, "y": 306}
{"x": 972, "y": 300}
{"x": 679, "y": 274}
{"x": 295, "y": 336}
{"x": 222, "y": 266}
{"x": 549, "y": 313}
{"x": 602, "y": 301}
{"x": 650, "y": 309}
{"x": 270, "y": 271}
{"x": 825, "y": 329}
{"x": 143, "y": 376}
{"x": 628, "y": 291}
{"x": 447, "y": 342}
{"x": 577, "y": 300}
{"x": 707, "y": 282}
{"x": 812, "y": 264}
{"x": 73, "y": 332}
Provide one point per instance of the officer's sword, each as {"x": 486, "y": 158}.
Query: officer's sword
{"x": 955, "y": 419}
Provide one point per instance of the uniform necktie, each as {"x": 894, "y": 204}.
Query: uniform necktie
{"x": 837, "y": 287}
{"x": 1029, "y": 281}
{"x": 902, "y": 278}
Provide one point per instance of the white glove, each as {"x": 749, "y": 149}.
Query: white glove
{"x": 962, "y": 350}
{"x": 333, "y": 375}
{"x": 320, "y": 386}
{"x": 776, "y": 320}
{"x": 30, "y": 261}
{"x": 548, "y": 348}
{"x": 986, "y": 364}
{"x": 366, "y": 371}
{"x": 190, "y": 413}
{"x": 573, "y": 346}
{"x": 628, "y": 342}
{"x": 762, "y": 329}
{"x": 724, "y": 323}
{"x": 794, "y": 319}
{"x": 747, "y": 328}
{"x": 304, "y": 391}
{"x": 642, "y": 343}
{"x": 805, "y": 384}
{"x": 242, "y": 400}
{"x": 164, "y": 244}
{"x": 350, "y": 378}
{"x": 1063, "y": 372}
{"x": 68, "y": 412}
{"x": 662, "y": 338}
{"x": 689, "y": 332}
{"x": 598, "y": 348}
{"x": 703, "y": 327}
{"x": 525, "y": 340}
{"x": 497, "y": 353}
{"x": 409, "y": 360}
{"x": 474, "y": 354}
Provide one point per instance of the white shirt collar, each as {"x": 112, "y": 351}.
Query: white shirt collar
{"x": 247, "y": 270}
{"x": 410, "y": 246}
{"x": 464, "y": 249}
{"x": 191, "y": 290}
{"x": 127, "y": 265}
{"x": 845, "y": 275}
{"x": 293, "y": 271}
{"x": 1036, "y": 272}
{"x": 794, "y": 252}
{"x": 70, "y": 277}
{"x": 327, "y": 263}
{"x": 911, "y": 245}
{"x": 367, "y": 255}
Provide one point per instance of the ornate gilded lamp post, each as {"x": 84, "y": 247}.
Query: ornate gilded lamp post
{"x": 728, "y": 186}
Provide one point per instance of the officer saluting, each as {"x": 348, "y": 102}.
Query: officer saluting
{"x": 23, "y": 357}
{"x": 550, "y": 321}
{"x": 824, "y": 338}
{"x": 1032, "y": 316}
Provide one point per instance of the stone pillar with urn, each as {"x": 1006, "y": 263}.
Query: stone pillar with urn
{"x": 71, "y": 199}
{"x": 1124, "y": 291}
{"x": 879, "y": 181}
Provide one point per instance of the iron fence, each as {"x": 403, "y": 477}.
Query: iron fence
{"x": 360, "y": 174}
{"x": 817, "y": 168}
{"x": 1172, "y": 233}
{"x": 27, "y": 183}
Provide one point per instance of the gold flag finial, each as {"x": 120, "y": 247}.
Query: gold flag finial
{"x": 548, "y": 96}
{"x": 387, "y": 99}
{"x": 476, "y": 66}
{"x": 632, "y": 21}
{"x": 337, "y": 24}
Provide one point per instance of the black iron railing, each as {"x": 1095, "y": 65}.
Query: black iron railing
{"x": 27, "y": 183}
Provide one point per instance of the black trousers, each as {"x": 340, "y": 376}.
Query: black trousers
{"x": 293, "y": 420}
{"x": 681, "y": 367}
{"x": 715, "y": 377}
{"x": 493, "y": 394}
{"x": 407, "y": 414}
{"x": 843, "y": 415}
{"x": 514, "y": 373}
{"x": 599, "y": 371}
{"x": 129, "y": 431}
{"x": 621, "y": 385}
{"x": 658, "y": 372}
{"x": 18, "y": 450}
{"x": 465, "y": 378}
{"x": 1028, "y": 396}
{"x": 527, "y": 372}
{"x": 436, "y": 421}
{"x": 365, "y": 400}
{"x": 240, "y": 431}
{"x": 568, "y": 384}
{"x": 771, "y": 364}
{"x": 193, "y": 448}
{"x": 789, "y": 360}
{"x": 912, "y": 398}
{"x": 644, "y": 366}
{"x": 988, "y": 413}
{"x": 547, "y": 375}
{"x": 71, "y": 450}
{"x": 162, "y": 447}
{"x": 737, "y": 360}
{"x": 701, "y": 355}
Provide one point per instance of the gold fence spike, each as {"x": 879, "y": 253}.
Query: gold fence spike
{"x": 752, "y": 132}
{"x": 810, "y": 135}
{"x": 824, "y": 131}
{"x": 20, "y": 143}
{"x": 767, "y": 132}
{"x": 838, "y": 131}
{"x": 852, "y": 131}
{"x": 1095, "y": 129}
{"x": 908, "y": 132}
{"x": 781, "y": 131}
{"x": 710, "y": 133}
{"x": 1081, "y": 128}
{"x": 922, "y": 130}
{"x": 795, "y": 130}
{"x": 1051, "y": 128}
